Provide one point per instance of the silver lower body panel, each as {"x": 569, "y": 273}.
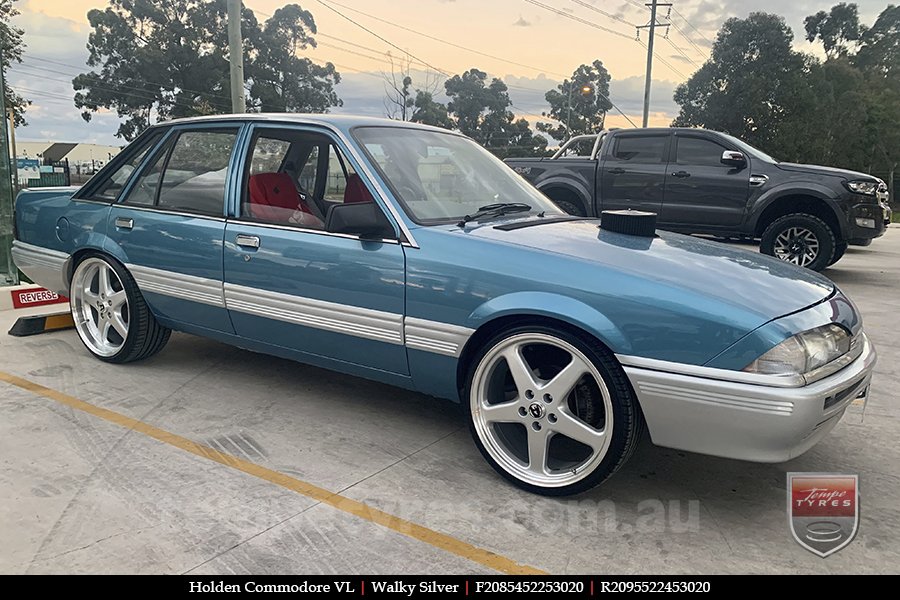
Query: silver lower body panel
{"x": 47, "y": 268}
{"x": 746, "y": 421}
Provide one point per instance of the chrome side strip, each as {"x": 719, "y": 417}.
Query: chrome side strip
{"x": 433, "y": 336}
{"x": 664, "y": 366}
{"x": 44, "y": 266}
{"x": 672, "y": 392}
{"x": 341, "y": 318}
{"x": 178, "y": 285}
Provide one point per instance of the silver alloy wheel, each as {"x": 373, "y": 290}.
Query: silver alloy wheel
{"x": 537, "y": 400}
{"x": 99, "y": 307}
{"x": 797, "y": 245}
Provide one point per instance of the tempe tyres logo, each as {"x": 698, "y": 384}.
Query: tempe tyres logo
{"x": 823, "y": 510}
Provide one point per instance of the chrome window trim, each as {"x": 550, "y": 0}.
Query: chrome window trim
{"x": 177, "y": 213}
{"x": 302, "y": 229}
{"x": 857, "y": 346}
{"x": 436, "y": 337}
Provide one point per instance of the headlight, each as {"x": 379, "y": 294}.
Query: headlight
{"x": 867, "y": 188}
{"x": 803, "y": 352}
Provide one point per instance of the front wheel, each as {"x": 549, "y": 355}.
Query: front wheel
{"x": 110, "y": 314}
{"x": 800, "y": 239}
{"x": 551, "y": 411}
{"x": 839, "y": 252}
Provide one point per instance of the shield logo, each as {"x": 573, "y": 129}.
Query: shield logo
{"x": 823, "y": 510}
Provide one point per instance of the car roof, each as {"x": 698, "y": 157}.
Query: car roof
{"x": 342, "y": 122}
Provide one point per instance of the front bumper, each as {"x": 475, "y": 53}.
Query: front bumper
{"x": 742, "y": 420}
{"x": 875, "y": 214}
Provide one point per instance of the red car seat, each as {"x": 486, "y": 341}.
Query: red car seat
{"x": 273, "y": 197}
{"x": 356, "y": 191}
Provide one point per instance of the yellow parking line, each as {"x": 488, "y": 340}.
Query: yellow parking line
{"x": 342, "y": 503}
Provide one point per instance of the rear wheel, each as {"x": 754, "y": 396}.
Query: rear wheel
{"x": 551, "y": 411}
{"x": 801, "y": 239}
{"x": 110, "y": 314}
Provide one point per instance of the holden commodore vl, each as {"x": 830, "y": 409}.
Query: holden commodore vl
{"x": 410, "y": 255}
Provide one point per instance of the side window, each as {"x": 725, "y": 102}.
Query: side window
{"x": 339, "y": 173}
{"x": 269, "y": 155}
{"x": 144, "y": 191}
{"x": 699, "y": 152}
{"x": 641, "y": 149}
{"x": 112, "y": 184}
{"x": 196, "y": 171}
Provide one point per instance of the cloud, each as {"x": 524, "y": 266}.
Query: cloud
{"x": 521, "y": 22}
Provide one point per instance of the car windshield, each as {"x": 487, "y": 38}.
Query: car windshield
{"x": 748, "y": 149}
{"x": 442, "y": 177}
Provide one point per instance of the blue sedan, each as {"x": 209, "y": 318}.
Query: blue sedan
{"x": 409, "y": 255}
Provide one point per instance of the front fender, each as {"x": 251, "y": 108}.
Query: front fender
{"x": 812, "y": 189}
{"x": 553, "y": 306}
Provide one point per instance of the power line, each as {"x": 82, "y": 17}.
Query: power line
{"x": 448, "y": 43}
{"x": 603, "y": 12}
{"x": 691, "y": 25}
{"x": 364, "y": 28}
{"x": 681, "y": 52}
{"x": 563, "y": 13}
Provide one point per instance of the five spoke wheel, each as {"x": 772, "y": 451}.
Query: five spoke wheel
{"x": 541, "y": 409}
{"x": 100, "y": 307}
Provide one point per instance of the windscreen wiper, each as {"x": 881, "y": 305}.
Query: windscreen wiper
{"x": 490, "y": 210}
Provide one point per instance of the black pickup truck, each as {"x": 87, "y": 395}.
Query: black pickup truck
{"x": 705, "y": 182}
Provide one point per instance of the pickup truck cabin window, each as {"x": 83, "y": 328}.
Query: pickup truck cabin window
{"x": 641, "y": 149}
{"x": 699, "y": 152}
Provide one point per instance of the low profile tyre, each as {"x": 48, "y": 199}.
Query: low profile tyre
{"x": 551, "y": 411}
{"x": 110, "y": 314}
{"x": 839, "y": 251}
{"x": 800, "y": 239}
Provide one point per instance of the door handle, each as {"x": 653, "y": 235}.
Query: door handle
{"x": 124, "y": 223}
{"x": 615, "y": 171}
{"x": 681, "y": 174}
{"x": 247, "y": 241}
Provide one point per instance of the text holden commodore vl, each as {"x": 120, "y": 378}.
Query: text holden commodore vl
{"x": 410, "y": 255}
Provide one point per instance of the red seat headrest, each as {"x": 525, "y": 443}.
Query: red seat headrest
{"x": 356, "y": 191}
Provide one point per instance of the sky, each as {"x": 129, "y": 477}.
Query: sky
{"x": 530, "y": 44}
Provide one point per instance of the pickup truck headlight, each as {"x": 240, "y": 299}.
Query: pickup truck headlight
{"x": 866, "y": 188}
{"x": 804, "y": 352}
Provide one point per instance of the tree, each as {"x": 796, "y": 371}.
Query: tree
{"x": 283, "y": 81}
{"x": 753, "y": 82}
{"x": 480, "y": 110}
{"x": 12, "y": 45}
{"x": 429, "y": 111}
{"x": 880, "y": 44}
{"x": 838, "y": 29}
{"x": 587, "y": 94}
{"x": 398, "y": 98}
{"x": 163, "y": 59}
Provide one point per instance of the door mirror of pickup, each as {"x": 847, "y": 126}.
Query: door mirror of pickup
{"x": 364, "y": 219}
{"x": 733, "y": 158}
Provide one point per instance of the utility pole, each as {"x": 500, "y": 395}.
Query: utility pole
{"x": 652, "y": 25}
{"x": 236, "y": 56}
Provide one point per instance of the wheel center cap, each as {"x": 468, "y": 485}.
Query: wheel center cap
{"x": 536, "y": 410}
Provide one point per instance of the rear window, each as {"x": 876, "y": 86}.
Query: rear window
{"x": 644, "y": 149}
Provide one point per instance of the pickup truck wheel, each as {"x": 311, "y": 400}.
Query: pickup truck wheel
{"x": 570, "y": 207}
{"x": 110, "y": 314}
{"x": 551, "y": 411}
{"x": 800, "y": 239}
{"x": 839, "y": 251}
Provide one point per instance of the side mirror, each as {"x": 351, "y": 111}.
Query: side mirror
{"x": 734, "y": 159}
{"x": 364, "y": 219}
